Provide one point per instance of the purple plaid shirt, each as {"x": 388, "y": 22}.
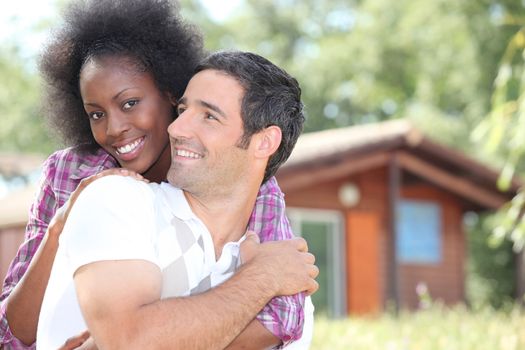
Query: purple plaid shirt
{"x": 62, "y": 172}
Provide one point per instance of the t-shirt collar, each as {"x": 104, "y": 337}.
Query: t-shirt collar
{"x": 177, "y": 201}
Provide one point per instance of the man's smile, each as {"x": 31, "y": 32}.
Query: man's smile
{"x": 187, "y": 154}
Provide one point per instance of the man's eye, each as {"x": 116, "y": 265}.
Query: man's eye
{"x": 211, "y": 117}
{"x": 130, "y": 104}
{"x": 95, "y": 115}
{"x": 180, "y": 110}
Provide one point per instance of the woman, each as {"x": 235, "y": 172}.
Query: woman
{"x": 114, "y": 71}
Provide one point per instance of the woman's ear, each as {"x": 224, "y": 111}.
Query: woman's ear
{"x": 268, "y": 141}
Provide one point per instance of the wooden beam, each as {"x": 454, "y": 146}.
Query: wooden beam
{"x": 455, "y": 184}
{"x": 291, "y": 179}
{"x": 394, "y": 193}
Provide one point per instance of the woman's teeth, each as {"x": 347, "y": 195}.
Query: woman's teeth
{"x": 129, "y": 147}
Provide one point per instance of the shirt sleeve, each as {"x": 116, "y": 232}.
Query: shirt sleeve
{"x": 42, "y": 210}
{"x": 283, "y": 315}
{"x": 112, "y": 219}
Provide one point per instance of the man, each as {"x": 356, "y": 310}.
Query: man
{"x": 238, "y": 122}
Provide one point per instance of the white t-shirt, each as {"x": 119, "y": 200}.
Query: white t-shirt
{"x": 134, "y": 220}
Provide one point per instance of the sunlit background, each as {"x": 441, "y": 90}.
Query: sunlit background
{"x": 452, "y": 69}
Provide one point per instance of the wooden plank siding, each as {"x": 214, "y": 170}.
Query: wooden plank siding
{"x": 10, "y": 240}
{"x": 444, "y": 280}
{"x": 363, "y": 282}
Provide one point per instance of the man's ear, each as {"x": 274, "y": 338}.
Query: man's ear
{"x": 268, "y": 141}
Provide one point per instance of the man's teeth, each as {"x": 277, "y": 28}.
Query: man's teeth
{"x": 188, "y": 154}
{"x": 129, "y": 147}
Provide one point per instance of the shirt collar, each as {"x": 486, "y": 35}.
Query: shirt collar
{"x": 177, "y": 201}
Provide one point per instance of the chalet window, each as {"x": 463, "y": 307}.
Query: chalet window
{"x": 418, "y": 232}
{"x": 323, "y": 229}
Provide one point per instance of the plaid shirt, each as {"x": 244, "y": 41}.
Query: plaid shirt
{"x": 62, "y": 172}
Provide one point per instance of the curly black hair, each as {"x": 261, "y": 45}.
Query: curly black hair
{"x": 150, "y": 32}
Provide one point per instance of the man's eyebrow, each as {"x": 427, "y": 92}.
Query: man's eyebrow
{"x": 182, "y": 100}
{"x": 215, "y": 108}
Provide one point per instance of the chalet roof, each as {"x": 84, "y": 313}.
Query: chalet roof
{"x": 15, "y": 207}
{"x": 19, "y": 164}
{"x": 316, "y": 145}
{"x": 330, "y": 154}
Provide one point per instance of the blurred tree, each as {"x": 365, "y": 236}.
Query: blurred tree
{"x": 491, "y": 267}
{"x": 503, "y": 130}
{"x": 22, "y": 126}
{"x": 371, "y": 60}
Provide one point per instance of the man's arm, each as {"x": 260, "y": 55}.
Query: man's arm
{"x": 119, "y": 299}
{"x": 255, "y": 336}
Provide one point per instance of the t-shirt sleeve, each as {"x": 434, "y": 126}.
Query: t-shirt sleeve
{"x": 112, "y": 219}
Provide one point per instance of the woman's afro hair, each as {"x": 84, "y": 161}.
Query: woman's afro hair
{"x": 149, "y": 32}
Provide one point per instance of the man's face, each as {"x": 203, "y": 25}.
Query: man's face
{"x": 204, "y": 138}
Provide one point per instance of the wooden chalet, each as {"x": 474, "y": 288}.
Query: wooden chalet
{"x": 382, "y": 207}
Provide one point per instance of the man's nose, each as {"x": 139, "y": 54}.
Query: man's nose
{"x": 182, "y": 125}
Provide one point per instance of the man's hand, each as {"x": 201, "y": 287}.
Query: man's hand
{"x": 287, "y": 264}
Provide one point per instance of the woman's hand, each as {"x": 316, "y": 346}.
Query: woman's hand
{"x": 82, "y": 341}
{"x": 58, "y": 221}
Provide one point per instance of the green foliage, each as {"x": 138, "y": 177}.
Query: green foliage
{"x": 22, "y": 125}
{"x": 491, "y": 268}
{"x": 436, "y": 328}
{"x": 371, "y": 60}
{"x": 502, "y": 131}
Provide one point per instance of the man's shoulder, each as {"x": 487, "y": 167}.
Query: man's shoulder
{"x": 117, "y": 191}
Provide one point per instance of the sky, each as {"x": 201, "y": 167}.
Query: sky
{"x": 19, "y": 17}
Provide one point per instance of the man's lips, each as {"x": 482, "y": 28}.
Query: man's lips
{"x": 187, "y": 154}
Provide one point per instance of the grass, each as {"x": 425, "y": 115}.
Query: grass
{"x": 437, "y": 328}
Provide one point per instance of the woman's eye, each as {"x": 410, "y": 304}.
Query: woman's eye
{"x": 130, "y": 104}
{"x": 95, "y": 115}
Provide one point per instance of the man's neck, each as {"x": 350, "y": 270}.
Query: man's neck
{"x": 225, "y": 215}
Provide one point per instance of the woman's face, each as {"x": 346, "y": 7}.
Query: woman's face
{"x": 129, "y": 115}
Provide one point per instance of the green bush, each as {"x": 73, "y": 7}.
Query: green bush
{"x": 491, "y": 267}
{"x": 436, "y": 328}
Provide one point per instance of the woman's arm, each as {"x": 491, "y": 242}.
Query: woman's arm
{"x": 282, "y": 317}
{"x": 29, "y": 275}
{"x": 20, "y": 292}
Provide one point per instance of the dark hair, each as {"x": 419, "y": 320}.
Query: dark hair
{"x": 271, "y": 97}
{"x": 150, "y": 33}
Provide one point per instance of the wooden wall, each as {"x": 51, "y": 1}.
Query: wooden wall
{"x": 445, "y": 280}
